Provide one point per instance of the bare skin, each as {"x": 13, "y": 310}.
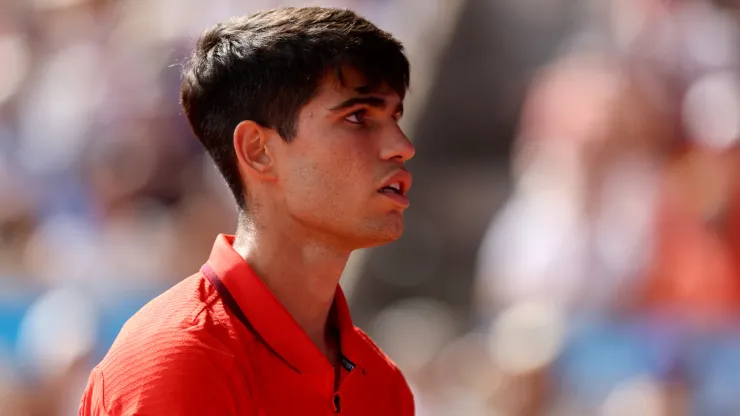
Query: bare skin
{"x": 316, "y": 199}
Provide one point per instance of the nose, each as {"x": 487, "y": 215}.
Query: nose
{"x": 397, "y": 147}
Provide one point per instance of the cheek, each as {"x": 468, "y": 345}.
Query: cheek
{"x": 310, "y": 180}
{"x": 331, "y": 180}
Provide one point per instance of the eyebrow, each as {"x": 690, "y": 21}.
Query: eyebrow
{"x": 371, "y": 101}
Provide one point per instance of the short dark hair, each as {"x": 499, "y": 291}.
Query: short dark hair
{"x": 266, "y": 66}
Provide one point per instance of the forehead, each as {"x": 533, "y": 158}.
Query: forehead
{"x": 352, "y": 83}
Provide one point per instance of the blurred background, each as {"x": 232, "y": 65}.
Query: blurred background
{"x": 573, "y": 246}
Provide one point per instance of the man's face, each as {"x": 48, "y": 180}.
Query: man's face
{"x": 334, "y": 174}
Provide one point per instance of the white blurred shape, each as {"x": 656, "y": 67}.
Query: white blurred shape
{"x": 58, "y": 110}
{"x": 710, "y": 35}
{"x": 527, "y": 337}
{"x": 528, "y": 244}
{"x": 412, "y": 331}
{"x": 59, "y": 328}
{"x": 14, "y": 50}
{"x": 535, "y": 248}
{"x": 640, "y": 396}
{"x": 622, "y": 235}
{"x": 711, "y": 109}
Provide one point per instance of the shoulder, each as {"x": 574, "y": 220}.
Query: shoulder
{"x": 186, "y": 321}
{"x": 173, "y": 350}
{"x": 185, "y": 318}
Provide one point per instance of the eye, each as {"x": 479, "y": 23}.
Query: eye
{"x": 358, "y": 117}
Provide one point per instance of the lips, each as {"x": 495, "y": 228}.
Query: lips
{"x": 399, "y": 182}
{"x": 396, "y": 186}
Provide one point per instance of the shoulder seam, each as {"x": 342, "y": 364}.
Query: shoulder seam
{"x": 211, "y": 300}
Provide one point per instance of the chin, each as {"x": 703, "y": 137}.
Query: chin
{"x": 383, "y": 233}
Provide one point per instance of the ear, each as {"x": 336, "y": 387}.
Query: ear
{"x": 250, "y": 144}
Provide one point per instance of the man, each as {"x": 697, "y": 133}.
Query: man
{"x": 299, "y": 109}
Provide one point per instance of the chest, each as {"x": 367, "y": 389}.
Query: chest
{"x": 277, "y": 389}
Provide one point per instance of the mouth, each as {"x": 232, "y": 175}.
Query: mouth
{"x": 393, "y": 188}
{"x": 396, "y": 188}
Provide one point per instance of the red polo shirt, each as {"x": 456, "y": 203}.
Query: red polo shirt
{"x": 220, "y": 343}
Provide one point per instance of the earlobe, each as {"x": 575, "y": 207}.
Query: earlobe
{"x": 250, "y": 144}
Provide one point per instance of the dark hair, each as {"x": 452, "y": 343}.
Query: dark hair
{"x": 266, "y": 66}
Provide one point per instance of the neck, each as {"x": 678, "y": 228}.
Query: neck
{"x": 301, "y": 272}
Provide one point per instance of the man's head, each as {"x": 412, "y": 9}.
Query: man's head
{"x": 298, "y": 107}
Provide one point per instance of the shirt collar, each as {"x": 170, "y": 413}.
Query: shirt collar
{"x": 271, "y": 320}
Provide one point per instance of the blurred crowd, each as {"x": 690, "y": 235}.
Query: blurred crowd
{"x": 106, "y": 197}
{"x": 608, "y": 283}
